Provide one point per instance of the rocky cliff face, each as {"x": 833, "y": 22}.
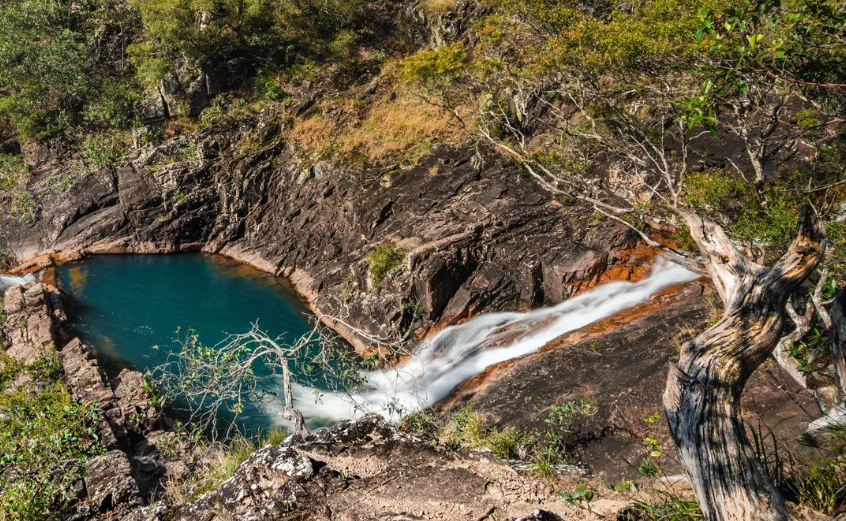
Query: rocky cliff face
{"x": 131, "y": 468}
{"x": 475, "y": 238}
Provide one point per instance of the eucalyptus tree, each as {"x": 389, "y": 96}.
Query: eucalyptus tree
{"x": 623, "y": 109}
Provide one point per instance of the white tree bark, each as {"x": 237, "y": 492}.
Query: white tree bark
{"x": 702, "y": 398}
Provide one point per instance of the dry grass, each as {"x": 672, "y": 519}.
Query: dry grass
{"x": 312, "y": 135}
{"x": 403, "y": 129}
{"x": 437, "y": 7}
{"x": 215, "y": 463}
{"x": 406, "y": 128}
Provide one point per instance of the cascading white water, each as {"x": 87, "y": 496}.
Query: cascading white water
{"x": 460, "y": 352}
{"x": 7, "y": 281}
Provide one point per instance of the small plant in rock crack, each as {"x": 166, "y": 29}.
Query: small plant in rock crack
{"x": 383, "y": 259}
{"x": 581, "y": 497}
{"x": 648, "y": 465}
{"x": 801, "y": 350}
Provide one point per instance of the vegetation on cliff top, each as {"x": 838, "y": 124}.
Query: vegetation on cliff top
{"x": 718, "y": 120}
{"x": 46, "y": 438}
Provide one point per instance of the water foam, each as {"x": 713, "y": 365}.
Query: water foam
{"x": 7, "y": 281}
{"x": 460, "y": 352}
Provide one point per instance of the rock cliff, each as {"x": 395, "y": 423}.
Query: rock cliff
{"x": 473, "y": 239}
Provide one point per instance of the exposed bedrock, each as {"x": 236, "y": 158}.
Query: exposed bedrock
{"x": 367, "y": 470}
{"x": 618, "y": 366}
{"x": 476, "y": 239}
{"x": 130, "y": 469}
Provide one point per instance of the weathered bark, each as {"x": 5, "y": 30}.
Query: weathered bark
{"x": 702, "y": 398}
{"x": 838, "y": 341}
{"x": 290, "y": 413}
{"x": 782, "y": 351}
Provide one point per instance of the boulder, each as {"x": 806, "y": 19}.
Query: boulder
{"x": 33, "y": 315}
{"x": 83, "y": 376}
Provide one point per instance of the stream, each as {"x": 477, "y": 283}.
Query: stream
{"x": 129, "y": 309}
{"x": 460, "y": 352}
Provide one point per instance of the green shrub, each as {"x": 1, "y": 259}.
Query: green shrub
{"x": 14, "y": 176}
{"x": 648, "y": 468}
{"x": 101, "y": 150}
{"x": 421, "y": 423}
{"x": 13, "y": 172}
{"x": 667, "y": 507}
{"x": 383, "y": 259}
{"x": 22, "y": 205}
{"x": 734, "y": 203}
{"x": 468, "y": 428}
{"x": 46, "y": 438}
{"x": 45, "y": 87}
{"x": 822, "y": 485}
{"x": 465, "y": 428}
{"x": 505, "y": 443}
{"x": 112, "y": 104}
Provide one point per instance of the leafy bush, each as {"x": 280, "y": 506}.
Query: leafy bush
{"x": 216, "y": 462}
{"x": 257, "y": 32}
{"x": 435, "y": 66}
{"x": 22, "y": 205}
{"x": 46, "y": 438}
{"x": 465, "y": 428}
{"x": 45, "y": 86}
{"x": 468, "y": 428}
{"x": 13, "y": 172}
{"x": 383, "y": 259}
{"x": 421, "y": 423}
{"x": 505, "y": 443}
{"x": 101, "y": 150}
{"x": 735, "y": 204}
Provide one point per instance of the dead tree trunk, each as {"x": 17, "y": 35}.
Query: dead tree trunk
{"x": 832, "y": 398}
{"x": 838, "y": 341}
{"x": 290, "y": 413}
{"x": 702, "y": 398}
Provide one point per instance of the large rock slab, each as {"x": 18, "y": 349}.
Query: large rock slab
{"x": 367, "y": 470}
{"x": 110, "y": 484}
{"x": 33, "y": 315}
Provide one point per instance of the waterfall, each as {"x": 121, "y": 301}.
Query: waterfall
{"x": 7, "y": 281}
{"x": 459, "y": 352}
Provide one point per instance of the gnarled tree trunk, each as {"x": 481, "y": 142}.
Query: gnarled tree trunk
{"x": 838, "y": 342}
{"x": 702, "y": 398}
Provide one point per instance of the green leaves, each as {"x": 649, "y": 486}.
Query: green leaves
{"x": 383, "y": 259}
{"x": 797, "y": 44}
{"x": 698, "y": 110}
{"x": 52, "y": 63}
{"x": 47, "y": 437}
{"x": 754, "y": 39}
{"x": 581, "y": 497}
{"x": 435, "y": 67}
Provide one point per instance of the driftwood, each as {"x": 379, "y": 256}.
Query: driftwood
{"x": 702, "y": 398}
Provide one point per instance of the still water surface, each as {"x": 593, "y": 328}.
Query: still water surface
{"x": 128, "y": 308}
